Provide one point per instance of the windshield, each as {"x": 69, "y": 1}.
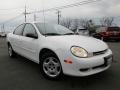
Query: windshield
{"x": 82, "y": 29}
{"x": 53, "y": 29}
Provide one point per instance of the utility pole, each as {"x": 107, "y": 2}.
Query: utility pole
{"x": 3, "y": 28}
{"x": 59, "y": 15}
{"x": 25, "y": 13}
{"x": 35, "y": 17}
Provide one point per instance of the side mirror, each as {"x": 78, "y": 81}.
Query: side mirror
{"x": 32, "y": 36}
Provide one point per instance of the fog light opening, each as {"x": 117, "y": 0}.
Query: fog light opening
{"x": 68, "y": 61}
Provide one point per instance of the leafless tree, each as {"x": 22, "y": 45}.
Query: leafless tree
{"x": 84, "y": 23}
{"x": 66, "y": 22}
{"x": 107, "y": 21}
{"x": 76, "y": 23}
{"x": 88, "y": 24}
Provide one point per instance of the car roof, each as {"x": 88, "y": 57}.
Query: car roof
{"x": 40, "y": 22}
{"x": 36, "y": 22}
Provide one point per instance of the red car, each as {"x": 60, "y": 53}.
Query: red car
{"x": 108, "y": 33}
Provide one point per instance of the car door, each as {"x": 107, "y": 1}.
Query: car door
{"x": 29, "y": 44}
{"x": 16, "y": 38}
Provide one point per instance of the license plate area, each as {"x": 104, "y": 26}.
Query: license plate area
{"x": 108, "y": 60}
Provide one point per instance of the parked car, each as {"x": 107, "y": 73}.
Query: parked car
{"x": 2, "y": 34}
{"x": 108, "y": 33}
{"x": 58, "y": 50}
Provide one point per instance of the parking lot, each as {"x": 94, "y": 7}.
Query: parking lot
{"x": 22, "y": 74}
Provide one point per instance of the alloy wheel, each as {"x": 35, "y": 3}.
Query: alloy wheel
{"x": 51, "y": 67}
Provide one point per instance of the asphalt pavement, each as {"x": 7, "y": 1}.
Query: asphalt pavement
{"x": 22, "y": 74}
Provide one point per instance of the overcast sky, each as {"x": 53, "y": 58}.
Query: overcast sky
{"x": 12, "y": 8}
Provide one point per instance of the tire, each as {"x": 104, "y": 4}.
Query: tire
{"x": 10, "y": 51}
{"x": 50, "y": 66}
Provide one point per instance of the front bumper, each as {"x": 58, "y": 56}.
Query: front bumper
{"x": 87, "y": 66}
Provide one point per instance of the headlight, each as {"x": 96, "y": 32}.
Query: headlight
{"x": 79, "y": 52}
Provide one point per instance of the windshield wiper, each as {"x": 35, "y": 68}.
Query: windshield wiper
{"x": 51, "y": 34}
{"x": 69, "y": 34}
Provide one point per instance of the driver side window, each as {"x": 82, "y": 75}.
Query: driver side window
{"x": 19, "y": 30}
{"x": 29, "y": 29}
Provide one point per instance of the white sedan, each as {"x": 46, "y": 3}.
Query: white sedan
{"x": 58, "y": 50}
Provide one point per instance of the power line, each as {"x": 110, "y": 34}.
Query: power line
{"x": 3, "y": 23}
{"x": 12, "y": 19}
{"x": 64, "y": 7}
{"x": 11, "y": 9}
{"x": 25, "y": 13}
{"x": 67, "y": 6}
{"x": 52, "y": 9}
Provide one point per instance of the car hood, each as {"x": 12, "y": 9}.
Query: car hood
{"x": 89, "y": 43}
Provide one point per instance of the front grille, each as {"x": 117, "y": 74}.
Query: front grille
{"x": 100, "y": 52}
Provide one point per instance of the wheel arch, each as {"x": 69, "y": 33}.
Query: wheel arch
{"x": 44, "y": 50}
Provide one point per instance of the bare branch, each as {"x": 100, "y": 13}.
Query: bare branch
{"x": 107, "y": 21}
{"x": 66, "y": 22}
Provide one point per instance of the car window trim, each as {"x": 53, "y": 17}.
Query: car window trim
{"x": 32, "y": 26}
{"x": 22, "y": 29}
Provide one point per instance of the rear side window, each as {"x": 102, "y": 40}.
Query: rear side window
{"x": 19, "y": 30}
{"x": 101, "y": 29}
{"x": 29, "y": 29}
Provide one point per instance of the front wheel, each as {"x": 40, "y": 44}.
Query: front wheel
{"x": 50, "y": 66}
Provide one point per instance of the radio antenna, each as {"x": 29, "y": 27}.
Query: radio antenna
{"x": 44, "y": 16}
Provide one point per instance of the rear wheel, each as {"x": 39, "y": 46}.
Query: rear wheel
{"x": 10, "y": 51}
{"x": 50, "y": 66}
